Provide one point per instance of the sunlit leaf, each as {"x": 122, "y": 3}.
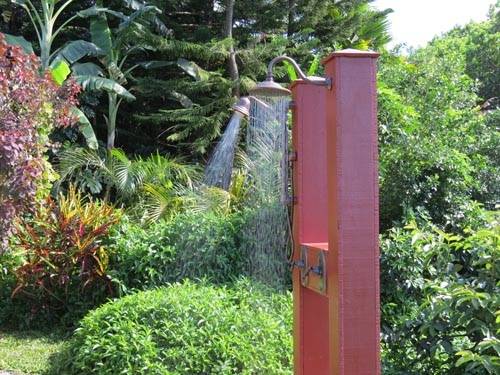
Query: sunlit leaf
{"x": 60, "y": 72}
{"x": 103, "y": 84}
{"x": 181, "y": 98}
{"x": 292, "y": 74}
{"x": 193, "y": 69}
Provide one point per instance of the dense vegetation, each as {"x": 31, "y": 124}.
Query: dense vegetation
{"x": 101, "y": 197}
{"x": 185, "y": 329}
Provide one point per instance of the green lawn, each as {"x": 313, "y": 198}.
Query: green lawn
{"x": 27, "y": 352}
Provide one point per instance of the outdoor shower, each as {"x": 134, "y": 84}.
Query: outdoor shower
{"x": 333, "y": 197}
{"x": 335, "y": 214}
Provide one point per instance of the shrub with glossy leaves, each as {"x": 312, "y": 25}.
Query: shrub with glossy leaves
{"x": 437, "y": 149}
{"x": 440, "y": 297}
{"x": 207, "y": 245}
{"x": 31, "y": 105}
{"x": 185, "y": 329}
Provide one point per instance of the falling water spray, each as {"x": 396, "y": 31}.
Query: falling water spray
{"x": 267, "y": 231}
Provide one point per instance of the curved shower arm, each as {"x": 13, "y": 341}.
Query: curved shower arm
{"x": 315, "y": 81}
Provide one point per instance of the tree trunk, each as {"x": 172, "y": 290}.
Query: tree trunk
{"x": 110, "y": 142}
{"x": 45, "y": 52}
{"x": 291, "y": 18}
{"x": 112, "y": 112}
{"x": 228, "y": 33}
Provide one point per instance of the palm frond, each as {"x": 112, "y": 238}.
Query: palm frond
{"x": 73, "y": 160}
{"x": 128, "y": 176}
{"x": 159, "y": 169}
{"x": 162, "y": 202}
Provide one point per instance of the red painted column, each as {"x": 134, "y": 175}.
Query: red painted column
{"x": 311, "y": 325}
{"x": 335, "y": 179}
{"x": 353, "y": 265}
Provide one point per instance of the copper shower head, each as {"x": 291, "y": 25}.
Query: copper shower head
{"x": 269, "y": 88}
{"x": 243, "y": 106}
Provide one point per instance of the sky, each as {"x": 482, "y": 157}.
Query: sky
{"x": 416, "y": 22}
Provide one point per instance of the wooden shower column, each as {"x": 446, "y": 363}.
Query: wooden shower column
{"x": 336, "y": 277}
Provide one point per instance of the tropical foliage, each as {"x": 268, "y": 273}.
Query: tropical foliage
{"x": 156, "y": 187}
{"x": 441, "y": 297}
{"x": 437, "y": 145}
{"x": 65, "y": 264}
{"x": 31, "y": 106}
{"x": 117, "y": 207}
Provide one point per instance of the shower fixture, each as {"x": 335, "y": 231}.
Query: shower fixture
{"x": 330, "y": 184}
{"x": 243, "y": 105}
{"x": 271, "y": 88}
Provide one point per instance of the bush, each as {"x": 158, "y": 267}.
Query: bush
{"x": 437, "y": 149}
{"x": 9, "y": 261}
{"x": 31, "y": 105}
{"x": 65, "y": 265}
{"x": 185, "y": 329}
{"x": 207, "y": 245}
{"x": 440, "y": 297}
{"x": 189, "y": 246}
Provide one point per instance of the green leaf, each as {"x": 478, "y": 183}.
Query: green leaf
{"x": 193, "y": 69}
{"x": 134, "y": 4}
{"x": 98, "y": 11}
{"x": 87, "y": 69}
{"x": 19, "y": 2}
{"x": 181, "y": 98}
{"x": 75, "y": 50}
{"x": 19, "y": 41}
{"x": 292, "y": 74}
{"x": 103, "y": 84}
{"x": 160, "y": 27}
{"x": 465, "y": 357}
{"x": 60, "y": 72}
{"x": 101, "y": 35}
{"x": 85, "y": 128}
{"x": 313, "y": 68}
{"x": 145, "y": 9}
{"x": 115, "y": 73}
{"x": 154, "y": 64}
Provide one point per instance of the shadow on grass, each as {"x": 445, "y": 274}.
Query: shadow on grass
{"x": 30, "y": 351}
{"x": 52, "y": 336}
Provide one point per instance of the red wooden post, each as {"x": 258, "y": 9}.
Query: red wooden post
{"x": 336, "y": 292}
{"x": 311, "y": 346}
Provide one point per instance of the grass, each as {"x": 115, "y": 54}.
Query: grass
{"x": 28, "y": 352}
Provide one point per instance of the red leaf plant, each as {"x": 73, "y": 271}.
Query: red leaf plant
{"x": 31, "y": 105}
{"x": 66, "y": 262}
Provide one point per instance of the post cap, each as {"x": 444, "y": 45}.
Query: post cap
{"x": 350, "y": 52}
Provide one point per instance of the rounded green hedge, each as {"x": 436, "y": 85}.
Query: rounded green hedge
{"x": 185, "y": 328}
